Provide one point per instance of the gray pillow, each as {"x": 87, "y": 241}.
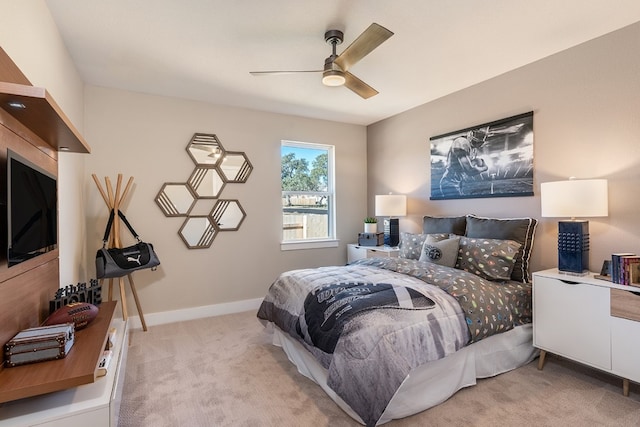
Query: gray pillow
{"x": 444, "y": 224}
{"x": 491, "y": 259}
{"x": 521, "y": 230}
{"x": 442, "y": 252}
{"x": 411, "y": 244}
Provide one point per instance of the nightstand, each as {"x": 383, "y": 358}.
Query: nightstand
{"x": 356, "y": 252}
{"x": 588, "y": 320}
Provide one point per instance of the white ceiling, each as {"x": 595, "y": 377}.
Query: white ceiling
{"x": 204, "y": 49}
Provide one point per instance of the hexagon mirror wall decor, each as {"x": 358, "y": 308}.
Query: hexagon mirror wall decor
{"x": 198, "y": 232}
{"x": 205, "y": 149}
{"x": 227, "y": 215}
{"x": 214, "y": 168}
{"x": 176, "y": 199}
{"x": 206, "y": 183}
{"x": 235, "y": 167}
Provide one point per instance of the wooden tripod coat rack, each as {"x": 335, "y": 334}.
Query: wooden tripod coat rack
{"x": 114, "y": 201}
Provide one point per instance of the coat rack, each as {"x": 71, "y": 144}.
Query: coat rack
{"x": 114, "y": 201}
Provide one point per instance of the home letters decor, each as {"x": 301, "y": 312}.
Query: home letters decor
{"x": 77, "y": 293}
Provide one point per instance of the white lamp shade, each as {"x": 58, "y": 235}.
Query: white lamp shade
{"x": 574, "y": 198}
{"x": 391, "y": 205}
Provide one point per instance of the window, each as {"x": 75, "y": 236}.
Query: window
{"x": 308, "y": 202}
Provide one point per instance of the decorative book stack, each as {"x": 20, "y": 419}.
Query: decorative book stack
{"x": 625, "y": 269}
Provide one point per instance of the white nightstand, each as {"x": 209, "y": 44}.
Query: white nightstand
{"x": 588, "y": 320}
{"x": 356, "y": 252}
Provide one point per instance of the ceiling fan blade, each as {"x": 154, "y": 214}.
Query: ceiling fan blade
{"x": 358, "y": 86}
{"x": 264, "y": 73}
{"x": 366, "y": 42}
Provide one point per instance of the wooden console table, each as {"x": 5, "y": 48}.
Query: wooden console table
{"x": 79, "y": 367}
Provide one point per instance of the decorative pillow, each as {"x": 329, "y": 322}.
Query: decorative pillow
{"x": 442, "y": 252}
{"x": 520, "y": 230}
{"x": 492, "y": 259}
{"x": 411, "y": 244}
{"x": 449, "y": 224}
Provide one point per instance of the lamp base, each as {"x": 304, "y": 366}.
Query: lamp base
{"x": 391, "y": 232}
{"x": 573, "y": 247}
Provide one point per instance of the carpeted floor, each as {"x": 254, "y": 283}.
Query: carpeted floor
{"x": 223, "y": 371}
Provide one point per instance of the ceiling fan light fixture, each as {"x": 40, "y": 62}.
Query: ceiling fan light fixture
{"x": 333, "y": 78}
{"x": 215, "y": 153}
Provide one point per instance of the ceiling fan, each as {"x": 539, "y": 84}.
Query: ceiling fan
{"x": 336, "y": 67}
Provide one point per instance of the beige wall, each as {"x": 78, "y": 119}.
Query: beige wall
{"x": 30, "y": 37}
{"x": 586, "y": 104}
{"x": 145, "y": 137}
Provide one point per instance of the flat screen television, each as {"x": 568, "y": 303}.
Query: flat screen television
{"x": 32, "y": 210}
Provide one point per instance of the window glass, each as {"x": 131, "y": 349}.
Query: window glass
{"x": 307, "y": 192}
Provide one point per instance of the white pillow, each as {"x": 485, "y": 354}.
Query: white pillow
{"x": 442, "y": 252}
{"x": 411, "y": 244}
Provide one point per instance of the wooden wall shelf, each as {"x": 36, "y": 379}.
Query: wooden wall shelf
{"x": 42, "y": 116}
{"x": 78, "y": 368}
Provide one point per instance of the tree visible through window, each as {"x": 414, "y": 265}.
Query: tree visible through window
{"x": 307, "y": 191}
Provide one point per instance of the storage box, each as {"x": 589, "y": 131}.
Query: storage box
{"x": 39, "y": 344}
{"x": 371, "y": 239}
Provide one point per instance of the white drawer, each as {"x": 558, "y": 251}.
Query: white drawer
{"x": 626, "y": 304}
{"x": 572, "y": 319}
{"x": 625, "y": 333}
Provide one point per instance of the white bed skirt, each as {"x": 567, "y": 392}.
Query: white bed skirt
{"x": 433, "y": 383}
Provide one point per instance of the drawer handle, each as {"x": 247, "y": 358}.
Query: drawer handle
{"x": 568, "y": 282}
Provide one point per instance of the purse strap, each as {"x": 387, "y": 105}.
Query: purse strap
{"x": 110, "y": 222}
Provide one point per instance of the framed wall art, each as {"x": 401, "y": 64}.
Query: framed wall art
{"x": 490, "y": 160}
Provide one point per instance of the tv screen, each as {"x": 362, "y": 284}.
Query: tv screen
{"x": 32, "y": 212}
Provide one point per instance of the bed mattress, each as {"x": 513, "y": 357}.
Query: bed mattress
{"x": 433, "y": 383}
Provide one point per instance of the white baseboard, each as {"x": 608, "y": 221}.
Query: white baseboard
{"x": 163, "y": 317}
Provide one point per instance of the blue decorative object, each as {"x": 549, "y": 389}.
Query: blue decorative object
{"x": 573, "y": 246}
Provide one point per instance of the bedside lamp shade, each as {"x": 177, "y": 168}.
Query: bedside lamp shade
{"x": 571, "y": 199}
{"x": 575, "y": 198}
{"x": 391, "y": 205}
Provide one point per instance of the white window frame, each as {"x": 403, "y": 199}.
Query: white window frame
{"x": 331, "y": 240}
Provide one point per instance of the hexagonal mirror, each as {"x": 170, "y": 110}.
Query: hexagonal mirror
{"x": 235, "y": 167}
{"x": 205, "y": 149}
{"x": 198, "y": 232}
{"x": 176, "y": 199}
{"x": 206, "y": 183}
{"x": 228, "y": 214}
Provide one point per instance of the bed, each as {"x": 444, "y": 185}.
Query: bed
{"x": 389, "y": 337}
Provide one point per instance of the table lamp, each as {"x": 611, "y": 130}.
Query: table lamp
{"x": 574, "y": 198}
{"x": 389, "y": 206}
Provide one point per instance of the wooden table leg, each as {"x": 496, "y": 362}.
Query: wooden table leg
{"x": 541, "y": 360}
{"x": 135, "y": 298}
{"x": 110, "y": 289}
{"x": 625, "y": 387}
{"x": 123, "y": 298}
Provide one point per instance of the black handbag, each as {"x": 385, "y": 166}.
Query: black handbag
{"x": 118, "y": 262}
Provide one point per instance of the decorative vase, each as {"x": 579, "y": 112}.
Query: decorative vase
{"x": 370, "y": 227}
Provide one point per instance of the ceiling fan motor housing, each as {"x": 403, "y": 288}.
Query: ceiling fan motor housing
{"x": 333, "y": 74}
{"x": 334, "y": 37}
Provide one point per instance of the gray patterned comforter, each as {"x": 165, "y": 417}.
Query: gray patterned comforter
{"x": 378, "y": 348}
